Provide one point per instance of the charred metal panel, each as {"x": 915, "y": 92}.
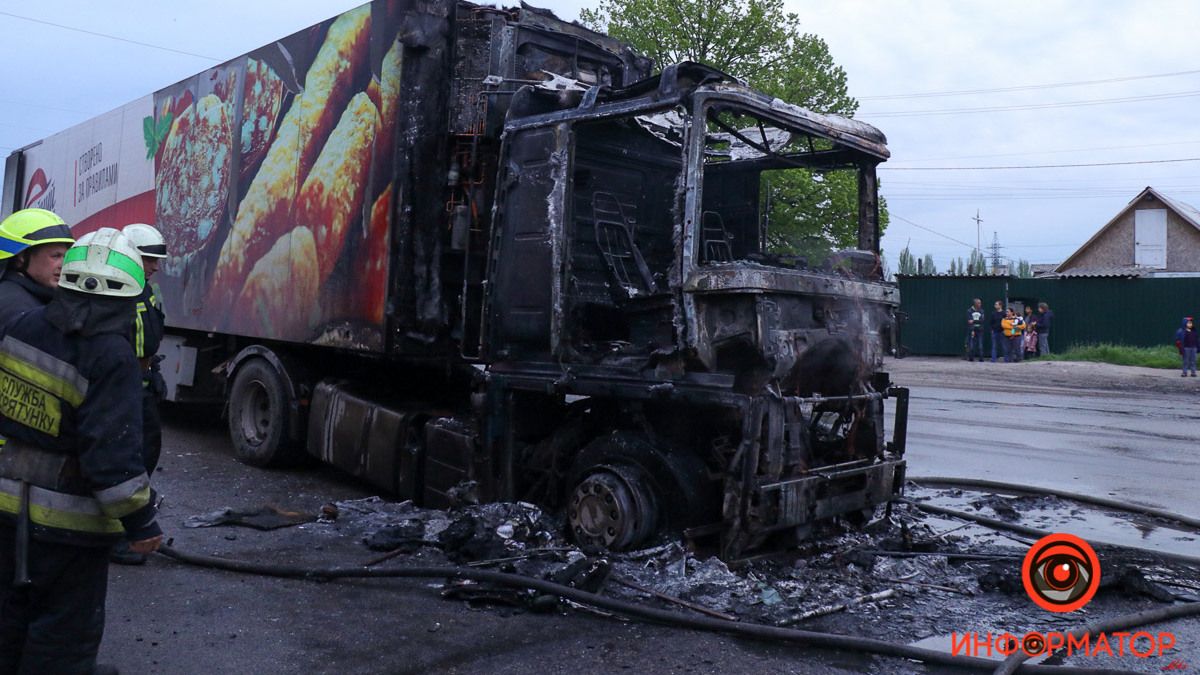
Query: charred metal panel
{"x": 498, "y": 51}
{"x": 527, "y": 245}
{"x": 749, "y": 316}
{"x": 784, "y": 476}
{"x": 868, "y": 211}
{"x": 450, "y": 464}
{"x": 363, "y": 437}
{"x": 421, "y": 164}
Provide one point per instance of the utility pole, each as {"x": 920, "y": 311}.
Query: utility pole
{"x": 995, "y": 250}
{"x": 978, "y": 236}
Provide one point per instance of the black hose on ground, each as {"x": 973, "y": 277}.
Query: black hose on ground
{"x": 997, "y": 524}
{"x": 629, "y": 609}
{"x": 1137, "y": 620}
{"x": 1074, "y": 496}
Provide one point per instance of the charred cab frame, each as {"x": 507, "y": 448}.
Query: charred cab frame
{"x": 684, "y": 386}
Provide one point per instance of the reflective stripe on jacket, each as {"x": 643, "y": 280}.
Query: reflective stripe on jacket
{"x": 71, "y": 409}
{"x": 148, "y": 324}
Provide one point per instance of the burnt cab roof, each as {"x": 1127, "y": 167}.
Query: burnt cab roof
{"x": 680, "y": 84}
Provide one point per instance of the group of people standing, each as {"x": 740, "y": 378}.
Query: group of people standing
{"x": 1015, "y": 336}
{"x": 79, "y": 430}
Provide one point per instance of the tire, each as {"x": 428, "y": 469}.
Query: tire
{"x": 612, "y": 508}
{"x": 259, "y": 415}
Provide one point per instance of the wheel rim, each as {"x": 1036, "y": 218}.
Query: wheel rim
{"x": 612, "y": 508}
{"x": 255, "y": 415}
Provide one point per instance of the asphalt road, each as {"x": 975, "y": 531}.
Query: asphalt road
{"x": 169, "y": 618}
{"x": 1051, "y": 425}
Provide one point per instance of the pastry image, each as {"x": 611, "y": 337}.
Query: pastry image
{"x": 266, "y": 210}
{"x": 280, "y": 297}
{"x": 332, "y": 196}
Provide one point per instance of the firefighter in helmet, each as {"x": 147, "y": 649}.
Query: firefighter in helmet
{"x": 72, "y": 479}
{"x": 147, "y": 334}
{"x": 32, "y": 245}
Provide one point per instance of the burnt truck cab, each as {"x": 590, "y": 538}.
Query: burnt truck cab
{"x": 687, "y": 369}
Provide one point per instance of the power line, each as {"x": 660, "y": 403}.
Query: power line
{"x": 110, "y": 37}
{"x": 892, "y": 214}
{"x": 1031, "y": 106}
{"x": 1049, "y": 152}
{"x": 884, "y": 167}
{"x": 1026, "y": 87}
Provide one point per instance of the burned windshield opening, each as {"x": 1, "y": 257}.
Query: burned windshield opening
{"x": 773, "y": 193}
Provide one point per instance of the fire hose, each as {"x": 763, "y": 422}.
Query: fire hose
{"x": 625, "y": 608}
{"x": 998, "y": 524}
{"x": 1015, "y": 663}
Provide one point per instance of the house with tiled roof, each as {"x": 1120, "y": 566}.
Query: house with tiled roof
{"x": 1153, "y": 236}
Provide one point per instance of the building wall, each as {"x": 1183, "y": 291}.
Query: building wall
{"x": 1115, "y": 247}
{"x": 1183, "y": 245}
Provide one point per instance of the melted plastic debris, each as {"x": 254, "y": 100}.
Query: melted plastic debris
{"x": 931, "y": 592}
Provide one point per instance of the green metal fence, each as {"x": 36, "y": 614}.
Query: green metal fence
{"x": 1136, "y": 312}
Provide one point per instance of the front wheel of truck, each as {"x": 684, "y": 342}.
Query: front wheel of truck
{"x": 258, "y": 415}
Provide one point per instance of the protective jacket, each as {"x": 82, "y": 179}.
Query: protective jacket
{"x": 19, "y": 293}
{"x": 71, "y": 408}
{"x": 148, "y": 324}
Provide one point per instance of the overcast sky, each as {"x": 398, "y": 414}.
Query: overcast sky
{"x": 1102, "y": 82}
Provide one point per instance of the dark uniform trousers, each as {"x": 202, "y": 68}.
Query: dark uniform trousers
{"x": 54, "y": 625}
{"x": 151, "y": 429}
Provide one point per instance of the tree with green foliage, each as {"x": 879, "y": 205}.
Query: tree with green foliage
{"x": 927, "y": 266}
{"x": 1024, "y": 269}
{"x": 906, "y": 264}
{"x": 977, "y": 264}
{"x": 760, "y": 42}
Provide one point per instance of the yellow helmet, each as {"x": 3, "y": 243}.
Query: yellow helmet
{"x": 32, "y": 227}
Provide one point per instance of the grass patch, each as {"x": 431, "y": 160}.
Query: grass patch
{"x": 1164, "y": 356}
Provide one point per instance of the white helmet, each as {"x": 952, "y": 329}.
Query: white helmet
{"x": 103, "y": 262}
{"x": 147, "y": 240}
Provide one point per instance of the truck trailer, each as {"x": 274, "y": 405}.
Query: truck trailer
{"x": 467, "y": 253}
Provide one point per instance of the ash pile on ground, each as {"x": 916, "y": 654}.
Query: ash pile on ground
{"x": 929, "y": 575}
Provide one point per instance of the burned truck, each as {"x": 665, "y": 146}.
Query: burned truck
{"x": 472, "y": 254}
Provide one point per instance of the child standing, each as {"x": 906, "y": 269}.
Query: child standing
{"x": 1186, "y": 340}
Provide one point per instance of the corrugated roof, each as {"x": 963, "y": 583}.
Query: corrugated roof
{"x": 1185, "y": 210}
{"x": 1096, "y": 272}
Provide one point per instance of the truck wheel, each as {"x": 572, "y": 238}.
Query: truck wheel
{"x": 613, "y": 508}
{"x": 258, "y": 415}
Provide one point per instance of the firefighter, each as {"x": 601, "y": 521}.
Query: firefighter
{"x": 147, "y": 334}
{"x": 32, "y": 245}
{"x": 72, "y": 480}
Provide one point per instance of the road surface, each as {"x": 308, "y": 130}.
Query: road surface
{"x": 1058, "y": 429}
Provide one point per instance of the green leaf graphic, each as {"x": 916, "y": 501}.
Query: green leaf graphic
{"x": 149, "y": 136}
